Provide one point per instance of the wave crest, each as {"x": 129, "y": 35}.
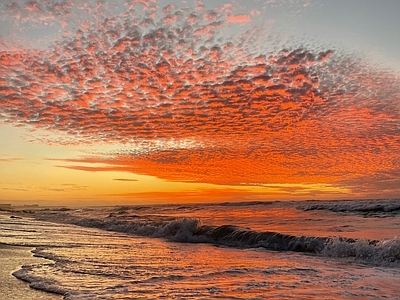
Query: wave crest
{"x": 367, "y": 208}
{"x": 190, "y": 230}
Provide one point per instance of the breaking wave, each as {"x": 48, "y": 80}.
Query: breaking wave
{"x": 190, "y": 230}
{"x": 39, "y": 283}
{"x": 366, "y": 208}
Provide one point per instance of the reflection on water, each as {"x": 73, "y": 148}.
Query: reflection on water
{"x": 90, "y": 263}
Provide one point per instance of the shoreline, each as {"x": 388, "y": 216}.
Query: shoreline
{"x": 12, "y": 258}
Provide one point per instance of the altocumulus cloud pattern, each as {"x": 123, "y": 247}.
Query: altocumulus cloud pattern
{"x": 227, "y": 101}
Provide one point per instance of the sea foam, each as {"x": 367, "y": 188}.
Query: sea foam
{"x": 191, "y": 230}
{"x": 365, "y": 208}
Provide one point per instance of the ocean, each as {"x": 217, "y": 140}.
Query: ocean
{"x": 247, "y": 250}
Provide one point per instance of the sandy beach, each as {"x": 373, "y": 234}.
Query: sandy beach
{"x": 11, "y": 259}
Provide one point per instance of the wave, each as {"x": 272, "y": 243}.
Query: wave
{"x": 39, "y": 283}
{"x": 376, "y": 252}
{"x": 366, "y": 208}
{"x": 190, "y": 230}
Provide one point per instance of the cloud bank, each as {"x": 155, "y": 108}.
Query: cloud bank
{"x": 228, "y": 104}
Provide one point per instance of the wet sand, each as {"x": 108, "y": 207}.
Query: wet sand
{"x": 11, "y": 288}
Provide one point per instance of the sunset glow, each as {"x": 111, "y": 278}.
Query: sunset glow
{"x": 156, "y": 101}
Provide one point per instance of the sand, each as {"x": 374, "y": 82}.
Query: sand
{"x": 11, "y": 288}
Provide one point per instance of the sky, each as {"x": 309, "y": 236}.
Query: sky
{"x": 132, "y": 102}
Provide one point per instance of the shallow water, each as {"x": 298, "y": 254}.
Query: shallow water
{"x": 214, "y": 251}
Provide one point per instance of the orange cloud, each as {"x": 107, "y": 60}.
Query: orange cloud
{"x": 238, "y": 19}
{"x": 297, "y": 115}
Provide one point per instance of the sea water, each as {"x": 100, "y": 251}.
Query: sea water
{"x": 256, "y": 250}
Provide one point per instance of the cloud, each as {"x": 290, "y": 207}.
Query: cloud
{"x": 125, "y": 179}
{"x": 65, "y": 187}
{"x": 146, "y": 82}
{"x": 10, "y": 159}
{"x": 381, "y": 184}
{"x": 15, "y": 189}
{"x": 238, "y": 19}
{"x": 37, "y": 13}
{"x": 155, "y": 78}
